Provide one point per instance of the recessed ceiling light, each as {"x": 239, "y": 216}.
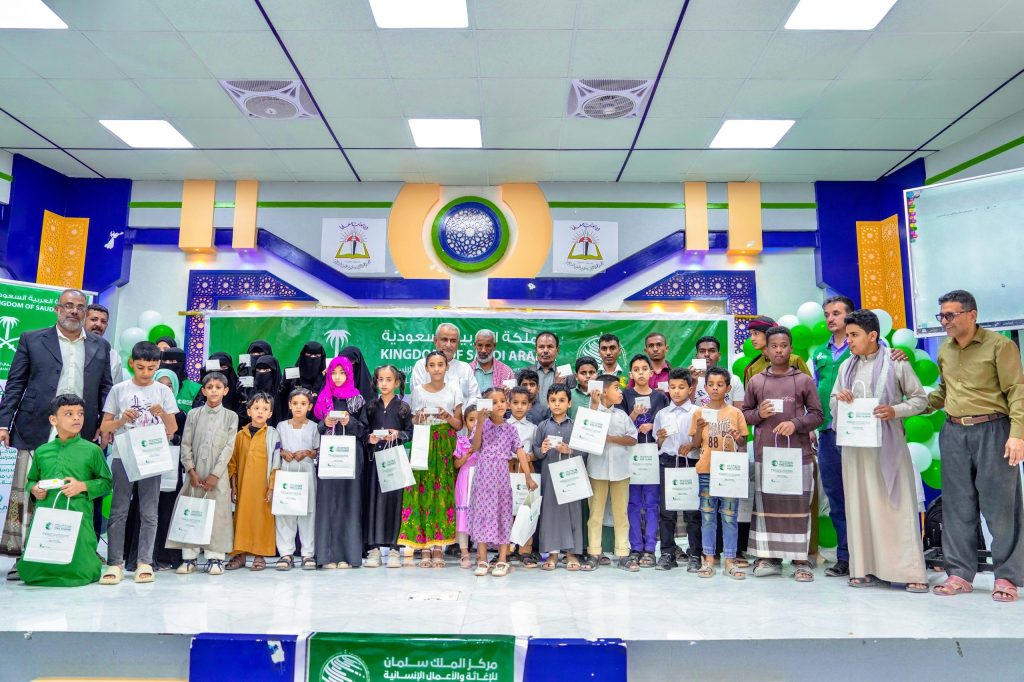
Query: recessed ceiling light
{"x": 445, "y": 132}
{"x": 28, "y": 14}
{"x": 420, "y": 13}
{"x": 838, "y": 15}
{"x": 750, "y": 134}
{"x": 151, "y": 134}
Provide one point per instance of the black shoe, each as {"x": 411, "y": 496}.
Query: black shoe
{"x": 666, "y": 563}
{"x": 840, "y": 570}
{"x": 679, "y": 553}
{"x": 693, "y": 564}
{"x": 13, "y": 575}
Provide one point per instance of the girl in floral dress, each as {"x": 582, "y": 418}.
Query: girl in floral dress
{"x": 428, "y": 506}
{"x": 490, "y": 500}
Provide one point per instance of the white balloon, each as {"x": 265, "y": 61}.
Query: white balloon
{"x": 149, "y": 319}
{"x": 921, "y": 354}
{"x": 921, "y": 456}
{"x": 789, "y": 321}
{"x": 884, "y": 321}
{"x": 933, "y": 446}
{"x": 904, "y": 337}
{"x": 810, "y": 313}
{"x": 131, "y": 336}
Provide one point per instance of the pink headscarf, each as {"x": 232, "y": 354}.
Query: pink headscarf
{"x": 325, "y": 401}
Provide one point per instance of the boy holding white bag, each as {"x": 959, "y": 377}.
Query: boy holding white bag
{"x": 137, "y": 403}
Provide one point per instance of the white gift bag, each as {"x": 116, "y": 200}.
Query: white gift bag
{"x": 643, "y": 464}
{"x": 682, "y": 489}
{"x": 519, "y": 490}
{"x": 291, "y": 493}
{"x": 54, "y": 534}
{"x": 525, "y": 524}
{"x": 419, "y": 453}
{"x": 337, "y": 458}
{"x": 782, "y": 471}
{"x": 393, "y": 470}
{"x": 589, "y": 430}
{"x": 192, "y": 520}
{"x": 856, "y": 424}
{"x": 729, "y": 474}
{"x": 169, "y": 479}
{"x": 570, "y": 480}
{"x": 144, "y": 452}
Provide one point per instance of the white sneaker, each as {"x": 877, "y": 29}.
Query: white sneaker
{"x": 394, "y": 559}
{"x": 372, "y": 559}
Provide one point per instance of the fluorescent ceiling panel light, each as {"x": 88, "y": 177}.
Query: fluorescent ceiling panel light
{"x": 420, "y": 13}
{"x": 148, "y": 134}
{"x": 750, "y": 134}
{"x": 28, "y": 14}
{"x": 446, "y": 132}
{"x": 838, "y": 15}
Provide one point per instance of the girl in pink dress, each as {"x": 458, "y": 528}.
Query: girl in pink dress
{"x": 465, "y": 462}
{"x": 490, "y": 500}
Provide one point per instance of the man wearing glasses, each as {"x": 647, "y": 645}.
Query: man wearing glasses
{"x": 48, "y": 362}
{"x": 982, "y": 390}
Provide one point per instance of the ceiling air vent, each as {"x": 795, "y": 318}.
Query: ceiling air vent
{"x": 602, "y": 98}
{"x": 279, "y": 100}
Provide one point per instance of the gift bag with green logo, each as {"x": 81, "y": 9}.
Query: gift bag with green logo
{"x": 589, "y": 430}
{"x": 729, "y": 473}
{"x": 291, "y": 493}
{"x": 643, "y": 464}
{"x": 145, "y": 452}
{"x": 570, "y": 480}
{"x": 782, "y": 471}
{"x": 54, "y": 534}
{"x": 393, "y": 470}
{"x": 682, "y": 488}
{"x": 192, "y": 520}
{"x": 337, "y": 458}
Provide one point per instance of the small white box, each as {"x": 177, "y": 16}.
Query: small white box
{"x": 380, "y": 433}
{"x": 213, "y": 365}
{"x": 777, "y": 405}
{"x": 643, "y": 401}
{"x": 244, "y": 359}
{"x": 247, "y": 382}
{"x": 291, "y": 372}
{"x": 51, "y": 483}
{"x": 555, "y": 440}
{"x": 565, "y": 369}
{"x": 670, "y": 429}
{"x": 337, "y": 414}
{"x": 699, "y": 363}
{"x": 663, "y": 386}
{"x": 709, "y": 415}
{"x": 508, "y": 383}
{"x": 484, "y": 404}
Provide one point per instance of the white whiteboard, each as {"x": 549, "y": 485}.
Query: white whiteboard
{"x": 970, "y": 235}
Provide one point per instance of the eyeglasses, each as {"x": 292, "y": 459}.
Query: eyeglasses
{"x": 72, "y": 307}
{"x": 949, "y": 317}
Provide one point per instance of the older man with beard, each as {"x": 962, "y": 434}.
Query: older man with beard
{"x": 446, "y": 340}
{"x": 97, "y": 318}
{"x": 487, "y": 369}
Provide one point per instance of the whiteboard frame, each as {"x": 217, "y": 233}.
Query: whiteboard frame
{"x": 939, "y": 331}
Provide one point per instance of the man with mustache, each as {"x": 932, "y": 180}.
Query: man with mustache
{"x": 488, "y": 370}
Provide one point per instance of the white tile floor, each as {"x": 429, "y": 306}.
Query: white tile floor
{"x": 650, "y": 605}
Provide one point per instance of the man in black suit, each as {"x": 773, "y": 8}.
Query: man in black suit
{"x": 51, "y": 361}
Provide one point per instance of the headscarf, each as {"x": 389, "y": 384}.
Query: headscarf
{"x": 311, "y": 370}
{"x": 267, "y": 382}
{"x": 169, "y": 340}
{"x": 360, "y": 374}
{"x": 224, "y": 359}
{"x": 174, "y": 360}
{"x": 325, "y": 401}
{"x": 260, "y": 346}
{"x": 169, "y": 373}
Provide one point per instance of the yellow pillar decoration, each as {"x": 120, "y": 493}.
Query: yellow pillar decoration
{"x": 196, "y": 233}
{"x": 695, "y": 198}
{"x": 881, "y": 270}
{"x": 745, "y": 218}
{"x": 409, "y": 213}
{"x": 531, "y": 242}
{"x": 243, "y": 229}
{"x": 62, "y": 246}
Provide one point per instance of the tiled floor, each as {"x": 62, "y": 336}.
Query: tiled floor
{"x": 649, "y": 605}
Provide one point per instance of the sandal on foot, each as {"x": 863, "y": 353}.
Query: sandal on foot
{"x": 1004, "y": 591}
{"x": 112, "y": 575}
{"x": 740, "y": 562}
{"x": 500, "y": 569}
{"x": 185, "y": 567}
{"x": 465, "y": 562}
{"x": 551, "y": 563}
{"x": 144, "y": 573}
{"x": 916, "y": 588}
{"x": 646, "y": 559}
{"x": 604, "y": 560}
{"x": 258, "y": 564}
{"x": 954, "y": 585}
{"x": 707, "y": 569}
{"x": 236, "y": 562}
{"x": 629, "y": 563}
{"x": 572, "y": 565}
{"x": 589, "y": 563}
{"x": 766, "y": 567}
{"x": 866, "y": 581}
{"x": 214, "y": 567}
{"x": 308, "y": 563}
{"x": 284, "y": 563}
{"x": 482, "y": 569}
{"x": 732, "y": 569}
{"x": 528, "y": 560}
{"x": 803, "y": 574}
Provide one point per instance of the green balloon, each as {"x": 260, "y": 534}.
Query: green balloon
{"x": 826, "y": 532}
{"x": 927, "y": 371}
{"x": 919, "y": 429}
{"x": 801, "y": 336}
{"x": 106, "y": 506}
{"x": 908, "y": 351}
{"x": 740, "y": 364}
{"x": 938, "y": 418}
{"x": 749, "y": 350}
{"x": 820, "y": 333}
{"x": 932, "y": 476}
{"x": 159, "y": 331}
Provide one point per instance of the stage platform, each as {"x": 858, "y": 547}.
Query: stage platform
{"x": 672, "y": 623}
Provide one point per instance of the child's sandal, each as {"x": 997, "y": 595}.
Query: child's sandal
{"x": 707, "y": 570}
{"x": 308, "y": 563}
{"x": 482, "y": 569}
{"x": 732, "y": 569}
{"x": 284, "y": 563}
{"x": 572, "y": 565}
{"x": 112, "y": 575}
{"x": 550, "y": 564}
{"x": 236, "y": 562}
{"x": 465, "y": 562}
{"x": 144, "y": 573}
{"x": 258, "y": 564}
{"x": 500, "y": 569}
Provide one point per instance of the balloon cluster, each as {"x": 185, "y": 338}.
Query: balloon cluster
{"x": 150, "y": 328}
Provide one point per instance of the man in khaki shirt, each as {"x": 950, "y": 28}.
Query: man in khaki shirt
{"x": 982, "y": 390}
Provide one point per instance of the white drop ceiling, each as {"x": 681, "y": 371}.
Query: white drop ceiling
{"x": 863, "y": 101}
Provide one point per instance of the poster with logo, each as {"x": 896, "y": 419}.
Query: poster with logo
{"x": 584, "y": 248}
{"x": 344, "y": 657}
{"x": 356, "y": 245}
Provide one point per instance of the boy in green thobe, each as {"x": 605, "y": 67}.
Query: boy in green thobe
{"x": 86, "y": 477}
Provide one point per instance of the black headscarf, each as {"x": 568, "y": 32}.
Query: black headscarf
{"x": 311, "y": 370}
{"x": 169, "y": 340}
{"x": 267, "y": 382}
{"x": 362, "y": 378}
{"x": 260, "y": 346}
{"x": 174, "y": 360}
{"x": 231, "y": 399}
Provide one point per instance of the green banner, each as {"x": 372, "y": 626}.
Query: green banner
{"x": 23, "y": 307}
{"x": 344, "y": 657}
{"x": 401, "y": 337}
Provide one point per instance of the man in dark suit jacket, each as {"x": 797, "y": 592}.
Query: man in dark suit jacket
{"x": 65, "y": 359}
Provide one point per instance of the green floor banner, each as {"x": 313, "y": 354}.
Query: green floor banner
{"x": 402, "y": 336}
{"x": 344, "y": 657}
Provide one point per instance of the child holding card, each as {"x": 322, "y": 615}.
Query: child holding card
{"x": 522, "y": 399}
{"x": 561, "y": 525}
{"x": 300, "y": 443}
{"x": 83, "y": 477}
{"x": 672, "y": 431}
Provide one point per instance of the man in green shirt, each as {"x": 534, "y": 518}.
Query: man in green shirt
{"x": 982, "y": 444}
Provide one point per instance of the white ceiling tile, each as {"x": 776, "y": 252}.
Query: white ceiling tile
{"x": 938, "y": 98}
{"x": 519, "y": 166}
{"x": 221, "y": 15}
{"x": 390, "y": 164}
{"x": 62, "y": 163}
{"x": 661, "y": 166}
{"x": 524, "y": 54}
{"x": 327, "y": 161}
{"x": 775, "y": 98}
{"x": 189, "y": 97}
{"x": 587, "y": 133}
{"x": 307, "y": 132}
{"x": 911, "y": 16}
{"x": 808, "y": 54}
{"x": 317, "y": 15}
{"x": 984, "y": 55}
{"x": 36, "y": 98}
{"x": 429, "y": 54}
{"x": 108, "y": 99}
{"x": 1006, "y": 102}
{"x": 694, "y": 97}
{"x": 10, "y": 67}
{"x": 901, "y": 133}
{"x": 521, "y": 132}
{"x": 588, "y": 166}
{"x": 961, "y": 130}
{"x": 613, "y": 14}
{"x": 859, "y": 98}
{"x": 336, "y": 54}
{"x": 618, "y": 54}
{"x": 531, "y": 14}
{"x": 261, "y": 165}
{"x": 715, "y": 54}
{"x": 241, "y": 55}
{"x": 357, "y": 98}
{"x": 58, "y": 54}
{"x": 529, "y": 97}
{"x": 170, "y": 164}
{"x": 439, "y": 98}
{"x": 110, "y": 15}
{"x": 831, "y": 133}
{"x": 218, "y": 132}
{"x": 149, "y": 54}
{"x": 453, "y": 167}
{"x": 13, "y": 134}
{"x": 737, "y": 15}
{"x": 901, "y": 56}
{"x": 1009, "y": 18}
{"x": 678, "y": 132}
{"x": 372, "y": 132}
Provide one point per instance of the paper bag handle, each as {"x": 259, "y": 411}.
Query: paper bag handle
{"x": 853, "y": 389}
{"x": 60, "y": 492}
{"x": 777, "y": 441}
